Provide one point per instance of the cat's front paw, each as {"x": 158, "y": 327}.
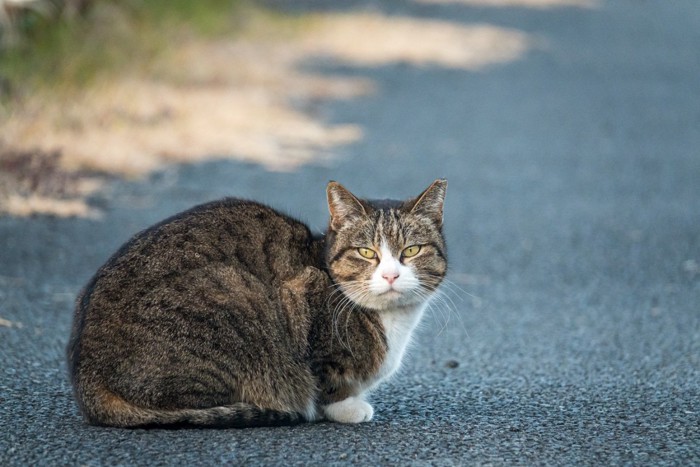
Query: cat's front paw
{"x": 350, "y": 410}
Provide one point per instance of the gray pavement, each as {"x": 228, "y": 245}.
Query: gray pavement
{"x": 573, "y": 221}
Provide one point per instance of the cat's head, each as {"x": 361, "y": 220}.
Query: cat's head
{"x": 386, "y": 254}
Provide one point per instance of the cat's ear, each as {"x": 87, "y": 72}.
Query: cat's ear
{"x": 430, "y": 203}
{"x": 342, "y": 205}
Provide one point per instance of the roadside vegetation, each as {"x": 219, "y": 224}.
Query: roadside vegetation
{"x": 63, "y": 46}
{"x": 96, "y": 89}
{"x": 80, "y": 76}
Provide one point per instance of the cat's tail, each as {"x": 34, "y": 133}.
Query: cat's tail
{"x": 111, "y": 410}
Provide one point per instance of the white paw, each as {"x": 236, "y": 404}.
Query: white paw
{"x": 350, "y": 410}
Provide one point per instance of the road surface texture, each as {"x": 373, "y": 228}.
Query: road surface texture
{"x": 572, "y": 335}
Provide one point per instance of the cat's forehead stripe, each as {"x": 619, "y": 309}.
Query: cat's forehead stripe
{"x": 389, "y": 229}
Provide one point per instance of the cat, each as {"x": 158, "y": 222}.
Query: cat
{"x": 232, "y": 314}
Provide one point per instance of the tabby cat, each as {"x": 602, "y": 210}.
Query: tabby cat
{"x": 232, "y": 314}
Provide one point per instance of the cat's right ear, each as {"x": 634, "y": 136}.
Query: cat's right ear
{"x": 342, "y": 205}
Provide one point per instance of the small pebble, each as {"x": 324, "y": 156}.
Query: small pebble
{"x": 452, "y": 364}
{"x": 691, "y": 267}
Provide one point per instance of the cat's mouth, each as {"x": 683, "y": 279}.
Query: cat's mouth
{"x": 389, "y": 298}
{"x": 391, "y": 293}
{"x": 392, "y": 296}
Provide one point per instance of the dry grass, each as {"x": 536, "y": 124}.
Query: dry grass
{"x": 239, "y": 98}
{"x": 33, "y": 182}
{"x": 131, "y": 127}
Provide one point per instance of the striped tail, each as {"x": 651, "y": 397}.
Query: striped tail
{"x": 239, "y": 415}
{"x": 112, "y": 410}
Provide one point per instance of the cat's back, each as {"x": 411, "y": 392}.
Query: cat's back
{"x": 229, "y": 231}
{"x": 225, "y": 245}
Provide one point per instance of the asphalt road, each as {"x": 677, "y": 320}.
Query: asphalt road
{"x": 573, "y": 222}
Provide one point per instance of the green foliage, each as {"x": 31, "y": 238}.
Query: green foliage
{"x": 206, "y": 17}
{"x": 114, "y": 36}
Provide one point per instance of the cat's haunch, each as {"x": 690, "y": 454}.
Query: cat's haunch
{"x": 232, "y": 314}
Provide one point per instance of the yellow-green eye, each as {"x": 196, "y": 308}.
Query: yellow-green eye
{"x": 367, "y": 253}
{"x": 410, "y": 251}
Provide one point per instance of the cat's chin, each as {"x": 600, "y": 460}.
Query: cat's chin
{"x": 390, "y": 300}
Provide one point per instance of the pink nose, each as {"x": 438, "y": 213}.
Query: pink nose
{"x": 390, "y": 277}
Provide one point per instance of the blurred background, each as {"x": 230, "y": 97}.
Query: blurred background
{"x": 97, "y": 88}
{"x": 568, "y": 332}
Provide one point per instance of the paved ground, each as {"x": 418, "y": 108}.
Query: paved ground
{"x": 573, "y": 221}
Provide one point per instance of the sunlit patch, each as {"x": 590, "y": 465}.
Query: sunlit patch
{"x": 539, "y": 4}
{"x": 372, "y": 39}
{"x": 25, "y": 206}
{"x": 6, "y": 323}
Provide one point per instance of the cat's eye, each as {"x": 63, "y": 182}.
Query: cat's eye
{"x": 367, "y": 253}
{"x": 410, "y": 251}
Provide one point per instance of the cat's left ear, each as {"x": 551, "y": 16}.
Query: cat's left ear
{"x": 343, "y": 205}
{"x": 430, "y": 203}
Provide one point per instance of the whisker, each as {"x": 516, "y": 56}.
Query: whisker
{"x": 346, "y": 297}
{"x": 443, "y": 293}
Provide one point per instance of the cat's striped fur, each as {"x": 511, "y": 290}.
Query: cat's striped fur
{"x": 232, "y": 314}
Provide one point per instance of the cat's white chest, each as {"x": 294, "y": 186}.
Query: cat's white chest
{"x": 398, "y": 329}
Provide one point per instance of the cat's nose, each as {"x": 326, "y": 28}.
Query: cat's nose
{"x": 390, "y": 277}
